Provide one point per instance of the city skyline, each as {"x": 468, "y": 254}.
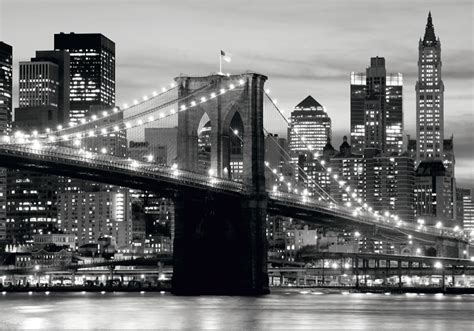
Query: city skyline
{"x": 295, "y": 66}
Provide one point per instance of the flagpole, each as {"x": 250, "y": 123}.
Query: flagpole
{"x": 220, "y": 63}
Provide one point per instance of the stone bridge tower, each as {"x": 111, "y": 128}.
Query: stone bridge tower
{"x": 220, "y": 242}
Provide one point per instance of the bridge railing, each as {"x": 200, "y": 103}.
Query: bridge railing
{"x": 109, "y": 162}
{"x": 362, "y": 216}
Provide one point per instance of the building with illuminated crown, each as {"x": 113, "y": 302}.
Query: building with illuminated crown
{"x": 429, "y": 97}
{"x": 310, "y": 127}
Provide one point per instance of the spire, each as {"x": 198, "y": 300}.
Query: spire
{"x": 430, "y": 38}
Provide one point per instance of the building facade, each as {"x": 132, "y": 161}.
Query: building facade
{"x": 385, "y": 183}
{"x": 310, "y": 128}
{"x": 465, "y": 207}
{"x": 6, "y": 84}
{"x": 93, "y": 215}
{"x": 92, "y": 71}
{"x": 377, "y": 109}
{"x": 44, "y": 85}
{"x": 429, "y": 97}
{"x": 43, "y": 103}
{"x": 433, "y": 195}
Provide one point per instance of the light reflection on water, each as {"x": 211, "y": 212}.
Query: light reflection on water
{"x": 280, "y": 310}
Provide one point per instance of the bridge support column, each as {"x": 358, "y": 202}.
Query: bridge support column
{"x": 219, "y": 245}
{"x": 449, "y": 248}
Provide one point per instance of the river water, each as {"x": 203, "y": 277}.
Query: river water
{"x": 283, "y": 310}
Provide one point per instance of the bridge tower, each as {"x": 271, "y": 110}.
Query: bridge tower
{"x": 220, "y": 241}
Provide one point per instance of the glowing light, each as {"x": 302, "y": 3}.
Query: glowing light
{"x": 267, "y": 91}
{"x": 193, "y": 103}
{"x": 172, "y": 111}
{"x": 222, "y": 91}
{"x": 163, "y": 89}
{"x": 162, "y": 115}
{"x": 203, "y": 99}
{"x": 139, "y": 122}
{"x": 103, "y": 150}
{"x": 439, "y": 225}
{"x": 59, "y": 127}
{"x": 174, "y": 166}
{"x": 124, "y": 106}
{"x": 116, "y": 128}
{"x": 104, "y": 113}
{"x": 231, "y": 86}
{"x": 145, "y": 98}
{"x": 116, "y": 109}
{"x": 149, "y": 158}
{"x": 183, "y": 107}
{"x": 94, "y": 117}
{"x": 236, "y": 132}
{"x": 135, "y": 102}
{"x": 103, "y": 130}
{"x": 91, "y": 133}
{"x": 241, "y": 82}
{"x": 211, "y": 172}
{"x": 155, "y": 93}
{"x": 357, "y": 234}
{"x": 438, "y": 265}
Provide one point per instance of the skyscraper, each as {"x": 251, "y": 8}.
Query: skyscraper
{"x": 43, "y": 91}
{"x": 429, "y": 97}
{"x": 44, "y": 102}
{"x": 377, "y": 109}
{"x": 6, "y": 54}
{"x": 92, "y": 73}
{"x": 310, "y": 127}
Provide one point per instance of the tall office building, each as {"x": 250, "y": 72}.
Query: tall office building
{"x": 377, "y": 109}
{"x": 92, "y": 58}
{"x": 44, "y": 102}
{"x": 429, "y": 97}
{"x": 6, "y": 55}
{"x": 310, "y": 127}
{"x": 43, "y": 91}
{"x": 433, "y": 195}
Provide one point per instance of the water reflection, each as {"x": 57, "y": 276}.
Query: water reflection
{"x": 280, "y": 310}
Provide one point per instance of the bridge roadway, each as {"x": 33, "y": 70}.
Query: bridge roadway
{"x": 71, "y": 162}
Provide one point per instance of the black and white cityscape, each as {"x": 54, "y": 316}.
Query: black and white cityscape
{"x": 236, "y": 165}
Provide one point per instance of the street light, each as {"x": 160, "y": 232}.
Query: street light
{"x": 438, "y": 265}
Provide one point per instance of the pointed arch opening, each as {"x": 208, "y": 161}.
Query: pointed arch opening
{"x": 236, "y": 147}
{"x": 204, "y": 131}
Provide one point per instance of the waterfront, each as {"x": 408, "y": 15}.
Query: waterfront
{"x": 283, "y": 309}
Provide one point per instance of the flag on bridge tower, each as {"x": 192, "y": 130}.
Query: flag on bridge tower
{"x": 227, "y": 58}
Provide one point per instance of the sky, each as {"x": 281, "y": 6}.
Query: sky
{"x": 304, "y": 47}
